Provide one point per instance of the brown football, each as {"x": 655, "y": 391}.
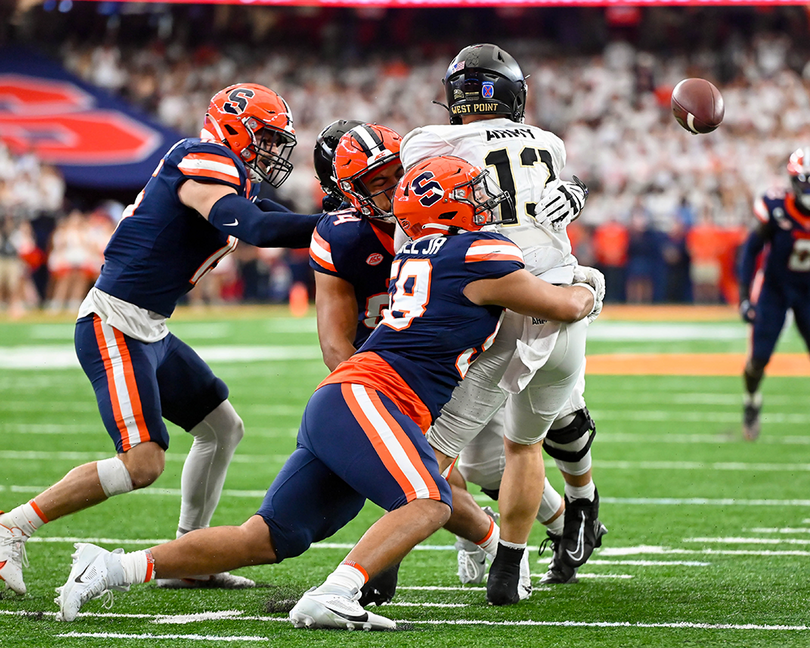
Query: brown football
{"x": 697, "y": 105}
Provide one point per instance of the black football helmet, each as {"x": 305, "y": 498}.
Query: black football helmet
{"x": 324, "y": 156}
{"x": 483, "y": 79}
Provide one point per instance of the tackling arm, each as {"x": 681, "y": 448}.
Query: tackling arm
{"x": 239, "y": 217}
{"x": 524, "y": 293}
{"x": 336, "y": 307}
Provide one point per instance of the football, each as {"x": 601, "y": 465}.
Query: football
{"x": 697, "y": 105}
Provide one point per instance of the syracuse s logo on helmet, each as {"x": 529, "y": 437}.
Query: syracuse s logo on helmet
{"x": 238, "y": 101}
{"x": 428, "y": 189}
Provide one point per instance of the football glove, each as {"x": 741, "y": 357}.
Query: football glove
{"x": 747, "y": 311}
{"x": 561, "y": 203}
{"x": 331, "y": 203}
{"x": 595, "y": 280}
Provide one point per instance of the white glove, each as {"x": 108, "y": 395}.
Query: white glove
{"x": 561, "y": 202}
{"x": 595, "y": 280}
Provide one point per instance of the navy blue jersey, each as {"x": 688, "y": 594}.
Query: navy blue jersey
{"x": 787, "y": 232}
{"x": 432, "y": 332}
{"x": 347, "y": 246}
{"x": 161, "y": 248}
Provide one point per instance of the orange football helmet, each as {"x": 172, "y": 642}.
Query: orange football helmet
{"x": 256, "y": 124}
{"x": 443, "y": 195}
{"x": 362, "y": 152}
{"x": 799, "y": 171}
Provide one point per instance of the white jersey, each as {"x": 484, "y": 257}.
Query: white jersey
{"x": 521, "y": 159}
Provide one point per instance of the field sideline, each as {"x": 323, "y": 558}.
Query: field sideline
{"x": 709, "y": 536}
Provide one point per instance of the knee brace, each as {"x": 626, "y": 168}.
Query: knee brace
{"x": 582, "y": 429}
{"x": 114, "y": 477}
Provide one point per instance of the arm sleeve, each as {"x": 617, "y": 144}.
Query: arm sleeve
{"x": 241, "y": 218}
{"x": 267, "y": 205}
{"x": 748, "y": 260}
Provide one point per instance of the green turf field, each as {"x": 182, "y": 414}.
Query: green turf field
{"x": 709, "y": 541}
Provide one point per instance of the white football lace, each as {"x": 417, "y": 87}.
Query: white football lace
{"x": 18, "y": 554}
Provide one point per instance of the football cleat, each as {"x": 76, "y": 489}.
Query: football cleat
{"x": 330, "y": 610}
{"x": 95, "y": 573}
{"x": 582, "y": 531}
{"x": 472, "y": 560}
{"x": 504, "y": 581}
{"x": 380, "y": 589}
{"x": 224, "y": 580}
{"x": 751, "y": 423}
{"x": 559, "y": 573}
{"x": 13, "y": 558}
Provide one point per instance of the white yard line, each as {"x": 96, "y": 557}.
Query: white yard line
{"x": 630, "y": 501}
{"x": 649, "y": 563}
{"x": 153, "y": 637}
{"x": 39, "y": 455}
{"x": 435, "y": 622}
{"x": 765, "y": 541}
{"x": 607, "y": 552}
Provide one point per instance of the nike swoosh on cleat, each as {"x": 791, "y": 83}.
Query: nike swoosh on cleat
{"x": 234, "y": 224}
{"x": 349, "y": 617}
{"x": 579, "y": 553}
{"x": 78, "y": 578}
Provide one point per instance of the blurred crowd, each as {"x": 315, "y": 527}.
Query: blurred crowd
{"x": 667, "y": 210}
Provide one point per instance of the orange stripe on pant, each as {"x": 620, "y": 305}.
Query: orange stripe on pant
{"x": 108, "y": 368}
{"x": 132, "y": 386}
{"x": 376, "y": 441}
{"x": 407, "y": 445}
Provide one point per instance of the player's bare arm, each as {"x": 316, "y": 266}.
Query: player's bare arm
{"x": 201, "y": 196}
{"x": 524, "y": 293}
{"x": 336, "y": 307}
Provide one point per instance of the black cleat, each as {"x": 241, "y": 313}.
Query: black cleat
{"x": 582, "y": 531}
{"x": 751, "y": 424}
{"x": 503, "y": 582}
{"x": 381, "y": 588}
{"x": 558, "y": 572}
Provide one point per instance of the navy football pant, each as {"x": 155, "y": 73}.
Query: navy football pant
{"x": 771, "y": 309}
{"x": 354, "y": 444}
{"x": 137, "y": 384}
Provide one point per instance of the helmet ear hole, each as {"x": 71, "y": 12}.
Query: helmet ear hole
{"x": 231, "y": 130}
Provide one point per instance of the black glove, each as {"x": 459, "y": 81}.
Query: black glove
{"x": 748, "y": 311}
{"x": 331, "y": 203}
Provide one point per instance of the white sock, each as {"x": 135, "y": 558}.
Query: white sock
{"x": 513, "y": 545}
{"x": 581, "y": 492}
{"x": 347, "y": 579}
{"x": 27, "y": 517}
{"x": 557, "y": 525}
{"x": 754, "y": 399}
{"x": 139, "y": 567}
{"x": 490, "y": 541}
{"x": 205, "y": 468}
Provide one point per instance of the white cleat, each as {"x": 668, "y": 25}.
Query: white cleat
{"x": 95, "y": 572}
{"x": 328, "y": 610}
{"x": 224, "y": 580}
{"x": 13, "y": 558}
{"x": 472, "y": 560}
